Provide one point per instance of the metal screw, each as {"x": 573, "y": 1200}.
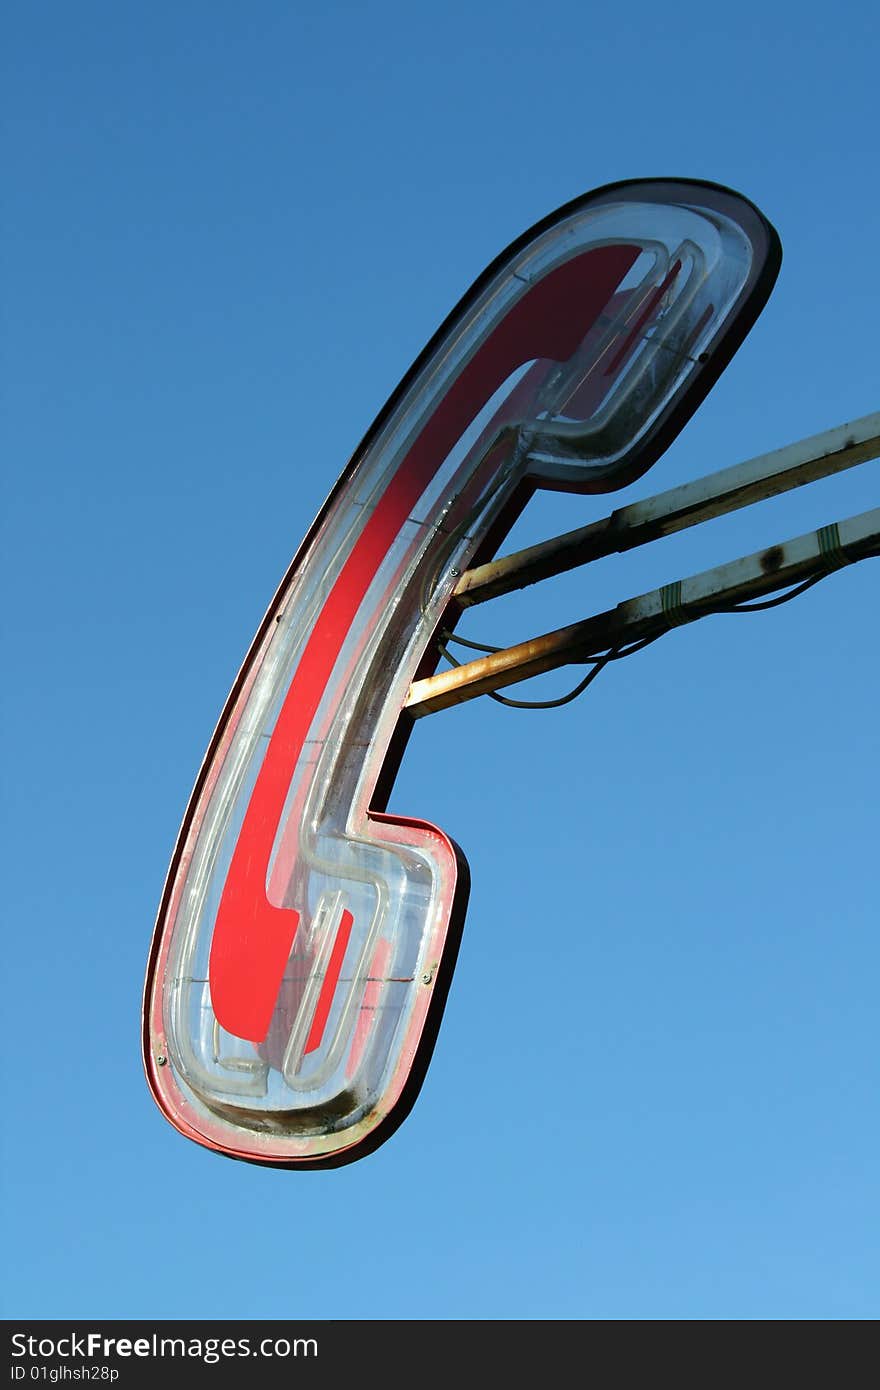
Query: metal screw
{"x": 426, "y": 979}
{"x": 454, "y": 572}
{"x": 162, "y": 1059}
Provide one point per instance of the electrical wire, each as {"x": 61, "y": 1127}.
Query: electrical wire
{"x": 598, "y": 663}
{"x": 770, "y": 602}
{"x": 535, "y": 704}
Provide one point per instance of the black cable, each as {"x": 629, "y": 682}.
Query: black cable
{"x": 614, "y": 655}
{"x": 618, "y": 653}
{"x": 563, "y": 700}
{"x": 463, "y": 642}
{"x": 792, "y": 593}
{"x": 598, "y": 663}
{"x": 771, "y": 602}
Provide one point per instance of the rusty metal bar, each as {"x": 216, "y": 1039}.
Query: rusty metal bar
{"x": 765, "y": 476}
{"x": 750, "y": 577}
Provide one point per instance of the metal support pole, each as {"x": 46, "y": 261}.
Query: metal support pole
{"x": 653, "y": 613}
{"x": 765, "y": 476}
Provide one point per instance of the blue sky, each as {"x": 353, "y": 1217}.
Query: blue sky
{"x": 229, "y": 229}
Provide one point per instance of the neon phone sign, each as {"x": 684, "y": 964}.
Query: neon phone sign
{"x": 306, "y": 939}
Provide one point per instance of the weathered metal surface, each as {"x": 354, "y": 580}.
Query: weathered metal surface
{"x": 648, "y": 615}
{"x": 767, "y": 475}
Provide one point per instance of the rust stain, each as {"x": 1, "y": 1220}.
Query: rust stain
{"x": 772, "y": 559}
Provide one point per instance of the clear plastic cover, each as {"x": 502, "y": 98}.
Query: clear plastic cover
{"x": 298, "y": 967}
